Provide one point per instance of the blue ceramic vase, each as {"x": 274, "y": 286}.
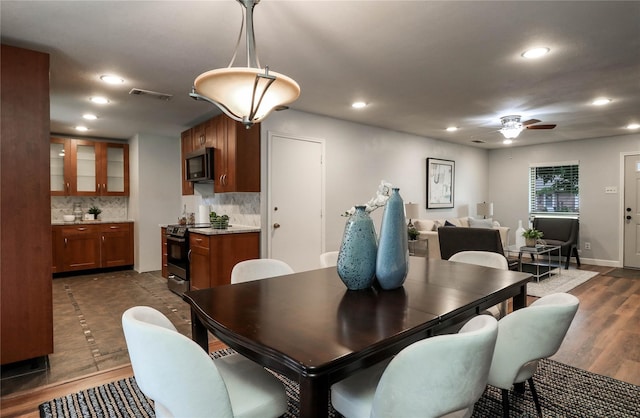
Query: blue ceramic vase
{"x": 357, "y": 255}
{"x": 392, "y": 264}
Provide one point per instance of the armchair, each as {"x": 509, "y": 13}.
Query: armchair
{"x": 455, "y": 239}
{"x": 562, "y": 232}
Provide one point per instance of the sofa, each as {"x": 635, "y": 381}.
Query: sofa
{"x": 428, "y": 231}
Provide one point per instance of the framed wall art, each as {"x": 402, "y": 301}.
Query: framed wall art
{"x": 440, "y": 183}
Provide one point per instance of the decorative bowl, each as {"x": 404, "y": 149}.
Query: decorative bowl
{"x": 68, "y": 218}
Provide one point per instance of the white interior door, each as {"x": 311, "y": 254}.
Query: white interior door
{"x": 631, "y": 211}
{"x": 295, "y": 201}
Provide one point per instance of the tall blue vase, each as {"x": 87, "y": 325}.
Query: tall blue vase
{"x": 392, "y": 264}
{"x": 357, "y": 255}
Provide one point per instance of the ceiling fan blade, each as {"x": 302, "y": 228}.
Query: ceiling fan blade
{"x": 541, "y": 127}
{"x": 531, "y": 122}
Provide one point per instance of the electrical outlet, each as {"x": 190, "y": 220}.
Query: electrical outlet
{"x": 587, "y": 245}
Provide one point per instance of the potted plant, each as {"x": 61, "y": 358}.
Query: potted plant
{"x": 95, "y": 211}
{"x": 531, "y": 236}
{"x": 413, "y": 233}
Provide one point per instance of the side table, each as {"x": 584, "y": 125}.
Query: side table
{"x": 541, "y": 264}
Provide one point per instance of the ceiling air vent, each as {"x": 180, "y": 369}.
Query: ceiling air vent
{"x": 152, "y": 94}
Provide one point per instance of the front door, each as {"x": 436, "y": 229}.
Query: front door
{"x": 295, "y": 201}
{"x": 631, "y": 211}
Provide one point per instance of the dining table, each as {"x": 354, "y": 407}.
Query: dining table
{"x": 309, "y": 327}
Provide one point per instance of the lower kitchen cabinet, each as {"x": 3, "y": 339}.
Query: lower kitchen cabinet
{"x": 213, "y": 256}
{"x": 92, "y": 246}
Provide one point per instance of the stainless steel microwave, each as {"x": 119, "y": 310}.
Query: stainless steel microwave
{"x": 199, "y": 165}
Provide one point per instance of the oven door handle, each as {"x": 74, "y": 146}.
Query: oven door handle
{"x": 175, "y": 239}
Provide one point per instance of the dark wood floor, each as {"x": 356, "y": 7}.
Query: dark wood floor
{"x": 604, "y": 338}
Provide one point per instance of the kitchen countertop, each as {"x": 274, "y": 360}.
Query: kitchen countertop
{"x": 91, "y": 222}
{"x": 234, "y": 229}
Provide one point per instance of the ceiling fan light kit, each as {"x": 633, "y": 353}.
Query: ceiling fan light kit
{"x": 511, "y": 126}
{"x": 246, "y": 94}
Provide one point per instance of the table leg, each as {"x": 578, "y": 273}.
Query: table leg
{"x": 199, "y": 332}
{"x": 314, "y": 397}
{"x": 520, "y": 300}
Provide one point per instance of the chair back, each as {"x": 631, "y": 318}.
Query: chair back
{"x": 329, "y": 259}
{"x": 482, "y": 258}
{"x": 558, "y": 229}
{"x": 528, "y": 335}
{"x": 438, "y": 375}
{"x": 257, "y": 269}
{"x": 171, "y": 369}
{"x": 455, "y": 239}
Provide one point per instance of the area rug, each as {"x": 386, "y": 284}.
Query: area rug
{"x": 563, "y": 282}
{"x": 564, "y": 391}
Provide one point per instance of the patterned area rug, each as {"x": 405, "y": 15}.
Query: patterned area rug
{"x": 563, "y": 282}
{"x": 564, "y": 391}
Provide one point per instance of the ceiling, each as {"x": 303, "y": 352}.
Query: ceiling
{"x": 420, "y": 65}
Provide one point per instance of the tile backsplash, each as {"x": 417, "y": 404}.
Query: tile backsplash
{"x": 113, "y": 208}
{"x": 242, "y": 208}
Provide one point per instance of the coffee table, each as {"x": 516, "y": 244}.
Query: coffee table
{"x": 540, "y": 263}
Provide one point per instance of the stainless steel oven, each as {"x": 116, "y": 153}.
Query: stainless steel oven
{"x": 177, "y": 237}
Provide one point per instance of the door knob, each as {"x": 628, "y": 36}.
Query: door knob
{"x": 276, "y": 225}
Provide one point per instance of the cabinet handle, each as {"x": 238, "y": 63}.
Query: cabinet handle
{"x": 114, "y": 227}
{"x": 65, "y": 243}
{"x": 189, "y": 256}
{"x": 104, "y": 187}
{"x": 98, "y": 187}
{"x": 82, "y": 229}
{"x": 103, "y": 238}
{"x": 68, "y": 188}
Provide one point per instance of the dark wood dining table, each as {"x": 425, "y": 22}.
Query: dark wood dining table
{"x": 309, "y": 327}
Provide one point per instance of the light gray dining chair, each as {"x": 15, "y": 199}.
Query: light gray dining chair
{"x": 260, "y": 268}
{"x": 183, "y": 381}
{"x": 487, "y": 259}
{"x": 526, "y": 336}
{"x": 329, "y": 259}
{"x": 430, "y": 378}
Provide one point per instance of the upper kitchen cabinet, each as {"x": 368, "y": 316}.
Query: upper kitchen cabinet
{"x": 88, "y": 168}
{"x": 237, "y": 162}
{"x": 237, "y": 154}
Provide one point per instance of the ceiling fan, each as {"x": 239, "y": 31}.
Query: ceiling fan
{"x": 511, "y": 126}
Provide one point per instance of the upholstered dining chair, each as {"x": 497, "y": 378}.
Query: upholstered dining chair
{"x": 329, "y": 259}
{"x": 183, "y": 381}
{"x": 260, "y": 268}
{"x": 430, "y": 378}
{"x": 487, "y": 259}
{"x": 526, "y": 336}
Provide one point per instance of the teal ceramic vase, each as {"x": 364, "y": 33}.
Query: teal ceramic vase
{"x": 357, "y": 255}
{"x": 392, "y": 261}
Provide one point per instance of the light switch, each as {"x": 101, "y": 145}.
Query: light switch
{"x": 611, "y": 189}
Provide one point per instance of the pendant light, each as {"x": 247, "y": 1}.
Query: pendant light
{"x": 246, "y": 94}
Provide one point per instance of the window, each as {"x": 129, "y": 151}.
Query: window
{"x": 553, "y": 189}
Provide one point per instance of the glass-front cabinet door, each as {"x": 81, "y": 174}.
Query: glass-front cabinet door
{"x": 115, "y": 172}
{"x": 59, "y": 154}
{"x": 86, "y": 167}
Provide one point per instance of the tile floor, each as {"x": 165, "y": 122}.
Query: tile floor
{"x": 87, "y": 333}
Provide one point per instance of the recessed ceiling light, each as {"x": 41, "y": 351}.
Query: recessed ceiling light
{"x": 82, "y": 128}
{"x": 535, "y": 52}
{"x": 89, "y": 116}
{"x": 358, "y": 105}
{"x": 507, "y": 141}
{"x": 601, "y": 101}
{"x": 99, "y": 100}
{"x": 112, "y": 79}
{"x": 452, "y": 128}
{"x": 633, "y": 126}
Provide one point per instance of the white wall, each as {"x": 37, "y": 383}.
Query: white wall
{"x": 155, "y": 194}
{"x": 358, "y": 157}
{"x": 600, "y": 213}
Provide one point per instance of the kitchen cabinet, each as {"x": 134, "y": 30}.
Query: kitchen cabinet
{"x": 237, "y": 162}
{"x": 92, "y": 246}
{"x": 236, "y": 155}
{"x": 26, "y": 309}
{"x": 186, "y": 144}
{"x": 213, "y": 256}
{"x": 88, "y": 168}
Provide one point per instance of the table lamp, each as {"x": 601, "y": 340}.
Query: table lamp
{"x": 411, "y": 212}
{"x": 484, "y": 209}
